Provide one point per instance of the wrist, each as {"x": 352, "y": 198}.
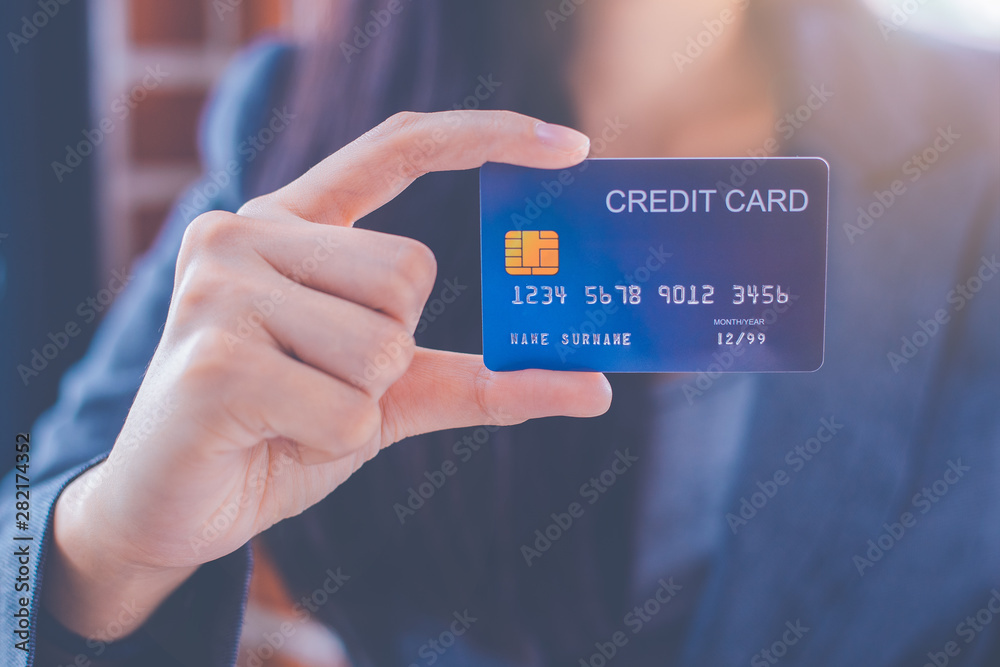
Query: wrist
{"x": 90, "y": 586}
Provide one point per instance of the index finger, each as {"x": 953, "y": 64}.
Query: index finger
{"x": 377, "y": 166}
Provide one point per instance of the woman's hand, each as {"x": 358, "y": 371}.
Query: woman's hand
{"x": 287, "y": 361}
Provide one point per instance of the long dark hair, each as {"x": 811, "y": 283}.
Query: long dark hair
{"x": 462, "y": 550}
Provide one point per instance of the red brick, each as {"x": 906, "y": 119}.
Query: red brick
{"x": 166, "y": 22}
{"x": 260, "y": 16}
{"x": 165, "y": 126}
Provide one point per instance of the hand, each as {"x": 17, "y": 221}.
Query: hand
{"x": 286, "y": 362}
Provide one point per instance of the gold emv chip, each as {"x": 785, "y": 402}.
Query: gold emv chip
{"x": 532, "y": 253}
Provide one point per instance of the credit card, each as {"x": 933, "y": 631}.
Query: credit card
{"x": 656, "y": 265}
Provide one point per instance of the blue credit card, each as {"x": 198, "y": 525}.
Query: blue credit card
{"x": 656, "y": 265}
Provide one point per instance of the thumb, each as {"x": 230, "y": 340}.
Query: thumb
{"x": 443, "y": 390}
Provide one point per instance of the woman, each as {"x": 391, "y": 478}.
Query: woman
{"x": 247, "y": 413}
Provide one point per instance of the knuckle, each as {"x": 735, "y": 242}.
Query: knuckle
{"x": 391, "y": 351}
{"x": 416, "y": 266}
{"x": 337, "y": 212}
{"x": 362, "y": 431}
{"x": 507, "y": 118}
{"x": 500, "y": 120}
{"x": 398, "y": 122}
{"x": 258, "y": 207}
{"x": 482, "y": 390}
{"x": 202, "y": 288}
{"x": 400, "y": 346}
{"x": 211, "y": 231}
{"x": 396, "y": 135}
{"x": 207, "y": 365}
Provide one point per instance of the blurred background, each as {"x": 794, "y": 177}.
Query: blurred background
{"x": 100, "y": 102}
{"x": 99, "y": 108}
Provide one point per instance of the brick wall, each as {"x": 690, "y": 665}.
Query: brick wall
{"x": 154, "y": 62}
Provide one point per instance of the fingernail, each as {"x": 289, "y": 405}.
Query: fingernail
{"x": 562, "y": 138}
